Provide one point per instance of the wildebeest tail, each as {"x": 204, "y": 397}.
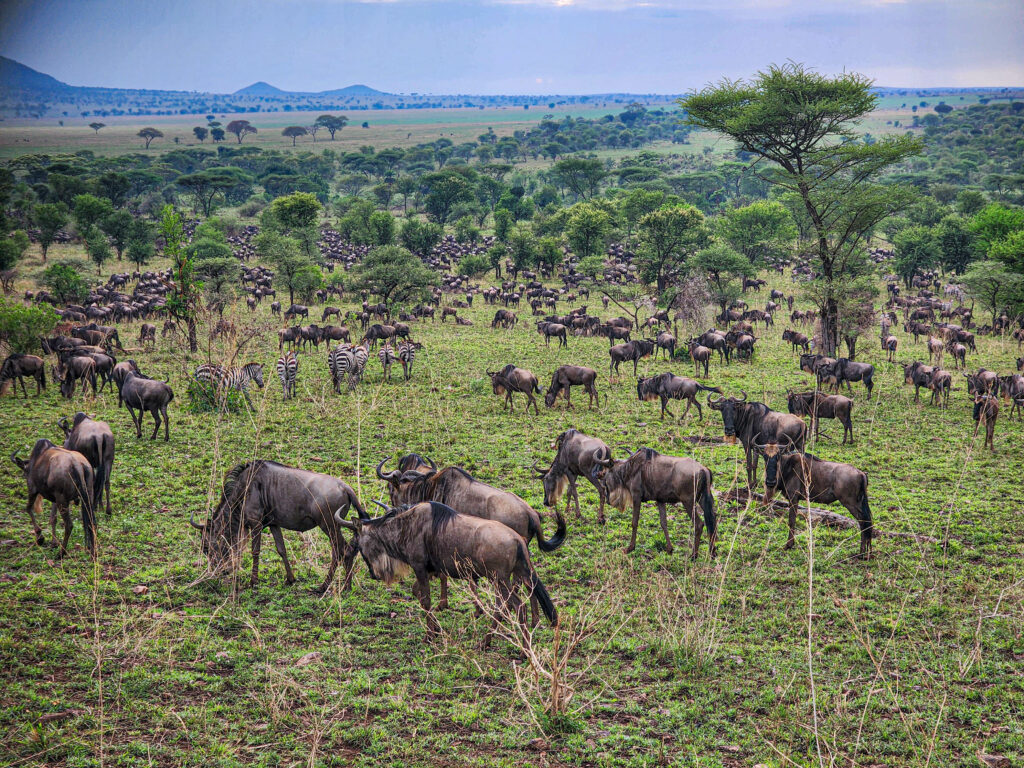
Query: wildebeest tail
{"x": 536, "y": 586}
{"x": 359, "y": 508}
{"x": 866, "y": 524}
{"x": 702, "y": 388}
{"x": 707, "y": 504}
{"x": 85, "y": 496}
{"x": 549, "y": 545}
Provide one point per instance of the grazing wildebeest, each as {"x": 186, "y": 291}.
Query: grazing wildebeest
{"x": 556, "y": 330}
{"x": 329, "y": 311}
{"x": 800, "y": 476}
{"x": 95, "y": 441}
{"x": 821, "y": 406}
{"x": 1012, "y": 389}
{"x": 615, "y": 333}
{"x": 712, "y": 339}
{"x": 701, "y": 356}
{"x": 632, "y": 350}
{"x": 567, "y": 376}
{"x": 986, "y": 411}
{"x": 889, "y": 344}
{"x": 142, "y": 394}
{"x": 814, "y": 363}
{"x": 62, "y": 477}
{"x": 574, "y": 457}
{"x": 296, "y": 310}
{"x": 505, "y": 319}
{"x": 147, "y": 333}
{"x": 756, "y": 423}
{"x": 263, "y": 494}
{"x": 959, "y": 353}
{"x": 16, "y": 366}
{"x": 798, "y": 340}
{"x": 458, "y": 489}
{"x": 668, "y": 386}
{"x": 76, "y": 368}
{"x": 511, "y": 379}
{"x": 432, "y": 538}
{"x": 649, "y": 476}
{"x": 845, "y": 370}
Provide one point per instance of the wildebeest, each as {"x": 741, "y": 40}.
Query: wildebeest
{"x": 574, "y": 457}
{"x": 75, "y": 368}
{"x": 95, "y": 441}
{"x": 511, "y": 379}
{"x": 1012, "y": 389}
{"x": 712, "y": 339}
{"x": 668, "y": 386}
{"x": 567, "y": 376}
{"x": 553, "y": 330}
{"x": 16, "y": 366}
{"x": 935, "y": 350}
{"x": 263, "y": 494}
{"x": 147, "y": 333}
{"x": 701, "y": 356}
{"x": 986, "y": 411}
{"x": 62, "y": 477}
{"x": 982, "y": 382}
{"x": 819, "y": 406}
{"x": 649, "y": 476}
{"x": 634, "y": 350}
{"x": 667, "y": 342}
{"x": 798, "y": 340}
{"x": 800, "y": 476}
{"x": 505, "y": 319}
{"x": 297, "y": 310}
{"x": 845, "y": 370}
{"x": 937, "y": 380}
{"x": 431, "y": 538}
{"x": 889, "y": 344}
{"x": 756, "y": 423}
{"x": 142, "y": 394}
{"x": 121, "y": 370}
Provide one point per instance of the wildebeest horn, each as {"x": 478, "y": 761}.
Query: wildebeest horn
{"x": 390, "y": 475}
{"x": 599, "y": 457}
{"x": 430, "y": 461}
{"x": 352, "y": 526}
{"x": 385, "y": 507}
{"x": 193, "y": 523}
{"x": 744, "y": 397}
{"x": 540, "y": 472}
{"x": 716, "y": 400}
{"x": 490, "y": 373}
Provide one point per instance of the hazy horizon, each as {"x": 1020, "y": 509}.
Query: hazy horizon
{"x": 510, "y": 46}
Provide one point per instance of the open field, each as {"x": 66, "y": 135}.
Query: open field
{"x": 761, "y": 656}
{"x": 387, "y": 128}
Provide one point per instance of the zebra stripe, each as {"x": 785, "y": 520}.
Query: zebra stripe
{"x": 407, "y": 355}
{"x": 386, "y": 355}
{"x": 223, "y": 379}
{"x": 288, "y": 372}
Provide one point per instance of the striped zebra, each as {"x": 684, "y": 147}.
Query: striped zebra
{"x": 386, "y": 355}
{"x": 223, "y": 379}
{"x": 406, "y": 356}
{"x": 288, "y": 372}
{"x": 338, "y": 361}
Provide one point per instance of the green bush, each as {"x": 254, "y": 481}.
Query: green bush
{"x": 64, "y": 280}
{"x": 204, "y": 398}
{"x": 21, "y": 326}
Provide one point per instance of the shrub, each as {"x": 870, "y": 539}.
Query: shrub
{"x": 21, "y": 326}
{"x": 204, "y": 398}
{"x": 64, "y": 280}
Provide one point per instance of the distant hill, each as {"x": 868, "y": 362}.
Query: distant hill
{"x": 259, "y": 89}
{"x": 17, "y": 77}
{"x": 355, "y": 90}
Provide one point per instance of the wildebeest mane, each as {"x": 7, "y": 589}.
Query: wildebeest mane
{"x": 441, "y": 515}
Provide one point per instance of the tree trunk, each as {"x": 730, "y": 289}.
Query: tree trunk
{"x": 830, "y": 327}
{"x": 851, "y": 347}
{"x": 193, "y": 336}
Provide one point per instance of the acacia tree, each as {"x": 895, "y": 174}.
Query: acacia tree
{"x": 581, "y": 175}
{"x": 332, "y": 123}
{"x": 50, "y": 218}
{"x": 148, "y": 134}
{"x": 668, "y": 237}
{"x": 201, "y": 133}
{"x": 762, "y": 231}
{"x": 395, "y": 275}
{"x": 805, "y": 126}
{"x": 241, "y": 129}
{"x": 96, "y": 126}
{"x": 183, "y": 300}
{"x": 725, "y": 269}
{"x": 293, "y": 132}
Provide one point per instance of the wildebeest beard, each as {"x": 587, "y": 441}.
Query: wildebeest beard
{"x": 224, "y": 533}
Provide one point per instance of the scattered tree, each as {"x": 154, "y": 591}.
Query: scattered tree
{"x": 96, "y": 126}
{"x": 148, "y": 134}
{"x": 668, "y": 237}
{"x": 241, "y": 129}
{"x": 201, "y": 133}
{"x": 50, "y": 218}
{"x": 395, "y": 276}
{"x": 725, "y": 269}
{"x": 293, "y": 132}
{"x": 332, "y": 123}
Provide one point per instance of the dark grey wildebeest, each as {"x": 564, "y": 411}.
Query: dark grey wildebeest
{"x": 574, "y": 458}
{"x": 649, "y": 476}
{"x": 567, "y": 376}
{"x": 511, "y": 379}
{"x": 17, "y": 366}
{"x": 142, "y": 394}
{"x": 800, "y": 476}
{"x": 634, "y": 350}
{"x": 95, "y": 441}
{"x": 63, "y": 478}
{"x": 756, "y": 423}
{"x": 431, "y": 538}
{"x": 668, "y": 386}
{"x": 263, "y": 494}
{"x": 820, "y": 406}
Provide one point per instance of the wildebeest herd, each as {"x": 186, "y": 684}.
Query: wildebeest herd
{"x": 444, "y": 522}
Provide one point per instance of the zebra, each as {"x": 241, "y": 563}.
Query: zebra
{"x": 223, "y": 379}
{"x": 386, "y": 355}
{"x": 338, "y": 361}
{"x": 406, "y": 355}
{"x": 355, "y": 372}
{"x": 288, "y": 372}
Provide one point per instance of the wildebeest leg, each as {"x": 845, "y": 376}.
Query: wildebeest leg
{"x": 575, "y": 495}
{"x": 156, "y": 419}
{"x": 664, "y": 408}
{"x": 65, "y": 516}
{"x": 533, "y": 400}
{"x": 23, "y": 390}
{"x": 791, "y": 541}
{"x": 663, "y": 517}
{"x": 698, "y": 529}
{"x": 636, "y": 521}
{"x": 257, "y": 543}
{"x": 600, "y": 505}
{"x": 167, "y": 424}
{"x": 689, "y": 401}
{"x": 34, "y": 505}
{"x": 334, "y": 536}
{"x": 275, "y": 530}
{"x": 53, "y": 524}
{"x": 137, "y": 423}
{"x": 442, "y": 603}
{"x": 422, "y": 591}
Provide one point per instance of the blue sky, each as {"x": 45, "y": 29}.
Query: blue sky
{"x": 509, "y": 46}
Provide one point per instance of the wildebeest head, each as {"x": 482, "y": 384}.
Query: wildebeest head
{"x": 555, "y": 480}
{"x": 412, "y": 466}
{"x": 222, "y": 532}
{"x": 772, "y": 453}
{"x": 728, "y": 407}
{"x": 371, "y": 538}
{"x": 614, "y": 476}
{"x": 799, "y": 403}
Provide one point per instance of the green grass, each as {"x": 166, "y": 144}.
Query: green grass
{"x": 914, "y": 656}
